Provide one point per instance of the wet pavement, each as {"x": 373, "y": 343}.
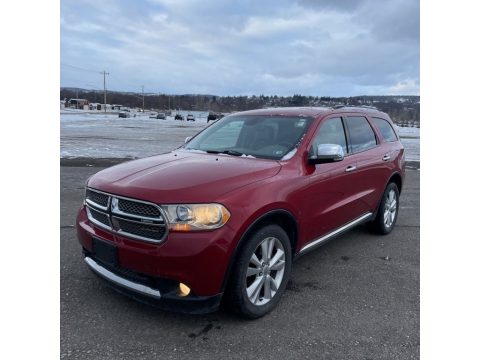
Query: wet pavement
{"x": 356, "y": 297}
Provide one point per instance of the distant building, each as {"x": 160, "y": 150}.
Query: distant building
{"x": 109, "y": 107}
{"x": 78, "y": 104}
{"x": 95, "y": 106}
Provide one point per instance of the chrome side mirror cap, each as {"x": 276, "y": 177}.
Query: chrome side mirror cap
{"x": 325, "y": 153}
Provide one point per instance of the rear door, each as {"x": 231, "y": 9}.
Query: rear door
{"x": 391, "y": 146}
{"x": 371, "y": 156}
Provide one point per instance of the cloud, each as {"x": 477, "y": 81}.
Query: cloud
{"x": 339, "y": 5}
{"x": 218, "y": 47}
{"x": 407, "y": 86}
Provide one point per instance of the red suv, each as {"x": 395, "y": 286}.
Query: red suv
{"x": 222, "y": 217}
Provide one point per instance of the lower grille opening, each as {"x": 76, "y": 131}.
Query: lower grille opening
{"x": 164, "y": 285}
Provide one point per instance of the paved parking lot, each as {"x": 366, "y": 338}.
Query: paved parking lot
{"x": 357, "y": 297}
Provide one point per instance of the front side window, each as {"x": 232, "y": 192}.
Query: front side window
{"x": 331, "y": 132}
{"x": 361, "y": 134}
{"x": 385, "y": 128}
{"x": 261, "y": 136}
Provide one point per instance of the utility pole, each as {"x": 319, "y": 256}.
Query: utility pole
{"x": 104, "y": 91}
{"x": 143, "y": 101}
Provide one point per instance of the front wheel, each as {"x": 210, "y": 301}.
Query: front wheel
{"x": 387, "y": 211}
{"x": 261, "y": 272}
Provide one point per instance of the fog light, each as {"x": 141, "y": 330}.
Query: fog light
{"x": 183, "y": 290}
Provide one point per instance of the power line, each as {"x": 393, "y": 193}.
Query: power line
{"x": 121, "y": 81}
{"x": 93, "y": 86}
{"x": 79, "y": 68}
{"x": 118, "y": 80}
{"x": 72, "y": 81}
{"x": 104, "y": 73}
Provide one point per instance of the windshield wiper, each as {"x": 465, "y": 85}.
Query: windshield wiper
{"x": 228, "y": 152}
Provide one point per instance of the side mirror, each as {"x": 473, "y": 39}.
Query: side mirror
{"x": 325, "y": 153}
{"x": 187, "y": 139}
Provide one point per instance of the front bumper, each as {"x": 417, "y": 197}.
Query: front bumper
{"x": 160, "y": 293}
{"x": 147, "y": 271}
{"x": 120, "y": 281}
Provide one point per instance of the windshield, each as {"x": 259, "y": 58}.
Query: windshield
{"x": 260, "y": 136}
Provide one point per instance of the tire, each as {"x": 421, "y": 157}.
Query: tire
{"x": 266, "y": 281}
{"x": 387, "y": 213}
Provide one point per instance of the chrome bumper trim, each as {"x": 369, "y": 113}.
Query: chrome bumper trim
{"x": 127, "y": 284}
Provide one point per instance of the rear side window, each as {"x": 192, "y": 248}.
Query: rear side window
{"x": 361, "y": 134}
{"x": 385, "y": 128}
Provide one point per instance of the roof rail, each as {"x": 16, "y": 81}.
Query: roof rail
{"x": 355, "y": 106}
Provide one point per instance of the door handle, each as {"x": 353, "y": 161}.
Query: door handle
{"x": 386, "y": 157}
{"x": 351, "y": 168}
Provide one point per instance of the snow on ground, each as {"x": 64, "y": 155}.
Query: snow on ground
{"x": 410, "y": 138}
{"x": 412, "y": 148}
{"x": 408, "y": 131}
{"x": 100, "y": 135}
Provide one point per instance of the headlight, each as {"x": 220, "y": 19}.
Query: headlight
{"x": 190, "y": 217}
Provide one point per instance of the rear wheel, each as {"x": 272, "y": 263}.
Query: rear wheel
{"x": 261, "y": 272}
{"x": 387, "y": 211}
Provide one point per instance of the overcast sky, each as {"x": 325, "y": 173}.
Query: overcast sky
{"x": 250, "y": 47}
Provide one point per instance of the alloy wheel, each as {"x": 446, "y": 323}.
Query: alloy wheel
{"x": 265, "y": 271}
{"x": 390, "y": 210}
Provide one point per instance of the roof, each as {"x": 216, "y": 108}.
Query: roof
{"x": 308, "y": 111}
{"x": 292, "y": 111}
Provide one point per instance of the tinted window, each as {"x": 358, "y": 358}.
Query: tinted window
{"x": 361, "y": 134}
{"x": 225, "y": 137}
{"x": 262, "y": 136}
{"x": 331, "y": 132}
{"x": 385, "y": 128}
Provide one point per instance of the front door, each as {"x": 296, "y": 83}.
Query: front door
{"x": 332, "y": 194}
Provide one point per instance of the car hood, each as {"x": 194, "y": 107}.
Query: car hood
{"x": 182, "y": 177}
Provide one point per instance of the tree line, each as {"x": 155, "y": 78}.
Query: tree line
{"x": 404, "y": 110}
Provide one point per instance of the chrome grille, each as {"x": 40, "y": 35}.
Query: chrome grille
{"x": 136, "y": 208}
{"x": 128, "y": 217}
{"x": 99, "y": 217}
{"x": 97, "y": 198}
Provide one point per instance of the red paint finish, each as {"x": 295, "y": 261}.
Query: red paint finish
{"x": 321, "y": 198}
{"x": 196, "y": 259}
